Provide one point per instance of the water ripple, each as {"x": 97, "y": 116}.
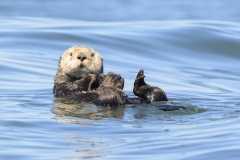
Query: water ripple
{"x": 195, "y": 62}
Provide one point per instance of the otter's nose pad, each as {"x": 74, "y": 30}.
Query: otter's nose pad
{"x": 81, "y": 57}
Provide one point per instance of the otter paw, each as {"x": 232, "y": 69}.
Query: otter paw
{"x": 86, "y": 83}
{"x": 139, "y": 81}
{"x": 113, "y": 80}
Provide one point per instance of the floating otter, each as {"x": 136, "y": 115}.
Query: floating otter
{"x": 80, "y": 77}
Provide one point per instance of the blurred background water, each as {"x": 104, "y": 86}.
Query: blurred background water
{"x": 189, "y": 49}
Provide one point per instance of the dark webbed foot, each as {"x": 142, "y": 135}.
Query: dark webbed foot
{"x": 140, "y": 74}
{"x": 147, "y": 92}
{"x": 140, "y": 85}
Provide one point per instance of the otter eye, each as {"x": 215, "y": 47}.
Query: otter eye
{"x": 92, "y": 54}
{"x": 70, "y": 53}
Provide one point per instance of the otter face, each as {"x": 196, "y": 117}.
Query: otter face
{"x": 79, "y": 61}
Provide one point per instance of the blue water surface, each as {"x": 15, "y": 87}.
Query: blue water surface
{"x": 192, "y": 55}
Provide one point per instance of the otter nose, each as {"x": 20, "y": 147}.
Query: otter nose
{"x": 81, "y": 57}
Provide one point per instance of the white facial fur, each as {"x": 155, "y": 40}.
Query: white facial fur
{"x": 74, "y": 67}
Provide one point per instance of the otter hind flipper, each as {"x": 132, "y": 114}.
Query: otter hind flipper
{"x": 147, "y": 92}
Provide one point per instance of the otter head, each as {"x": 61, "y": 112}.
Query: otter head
{"x": 79, "y": 61}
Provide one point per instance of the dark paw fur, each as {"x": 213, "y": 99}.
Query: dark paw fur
{"x": 140, "y": 74}
{"x": 139, "y": 81}
{"x": 113, "y": 80}
{"x": 111, "y": 90}
{"x": 86, "y": 83}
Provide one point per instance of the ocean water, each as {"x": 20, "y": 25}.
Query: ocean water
{"x": 194, "y": 56}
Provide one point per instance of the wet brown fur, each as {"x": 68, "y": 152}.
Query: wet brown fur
{"x": 80, "y": 77}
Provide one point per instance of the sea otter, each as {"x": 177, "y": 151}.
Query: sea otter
{"x": 80, "y": 76}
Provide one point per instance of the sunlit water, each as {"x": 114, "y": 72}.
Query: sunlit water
{"x": 195, "y": 62}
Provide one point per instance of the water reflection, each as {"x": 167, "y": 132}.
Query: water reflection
{"x": 86, "y": 110}
{"x": 78, "y": 113}
{"x": 86, "y": 147}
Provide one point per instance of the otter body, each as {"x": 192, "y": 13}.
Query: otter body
{"x": 80, "y": 77}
